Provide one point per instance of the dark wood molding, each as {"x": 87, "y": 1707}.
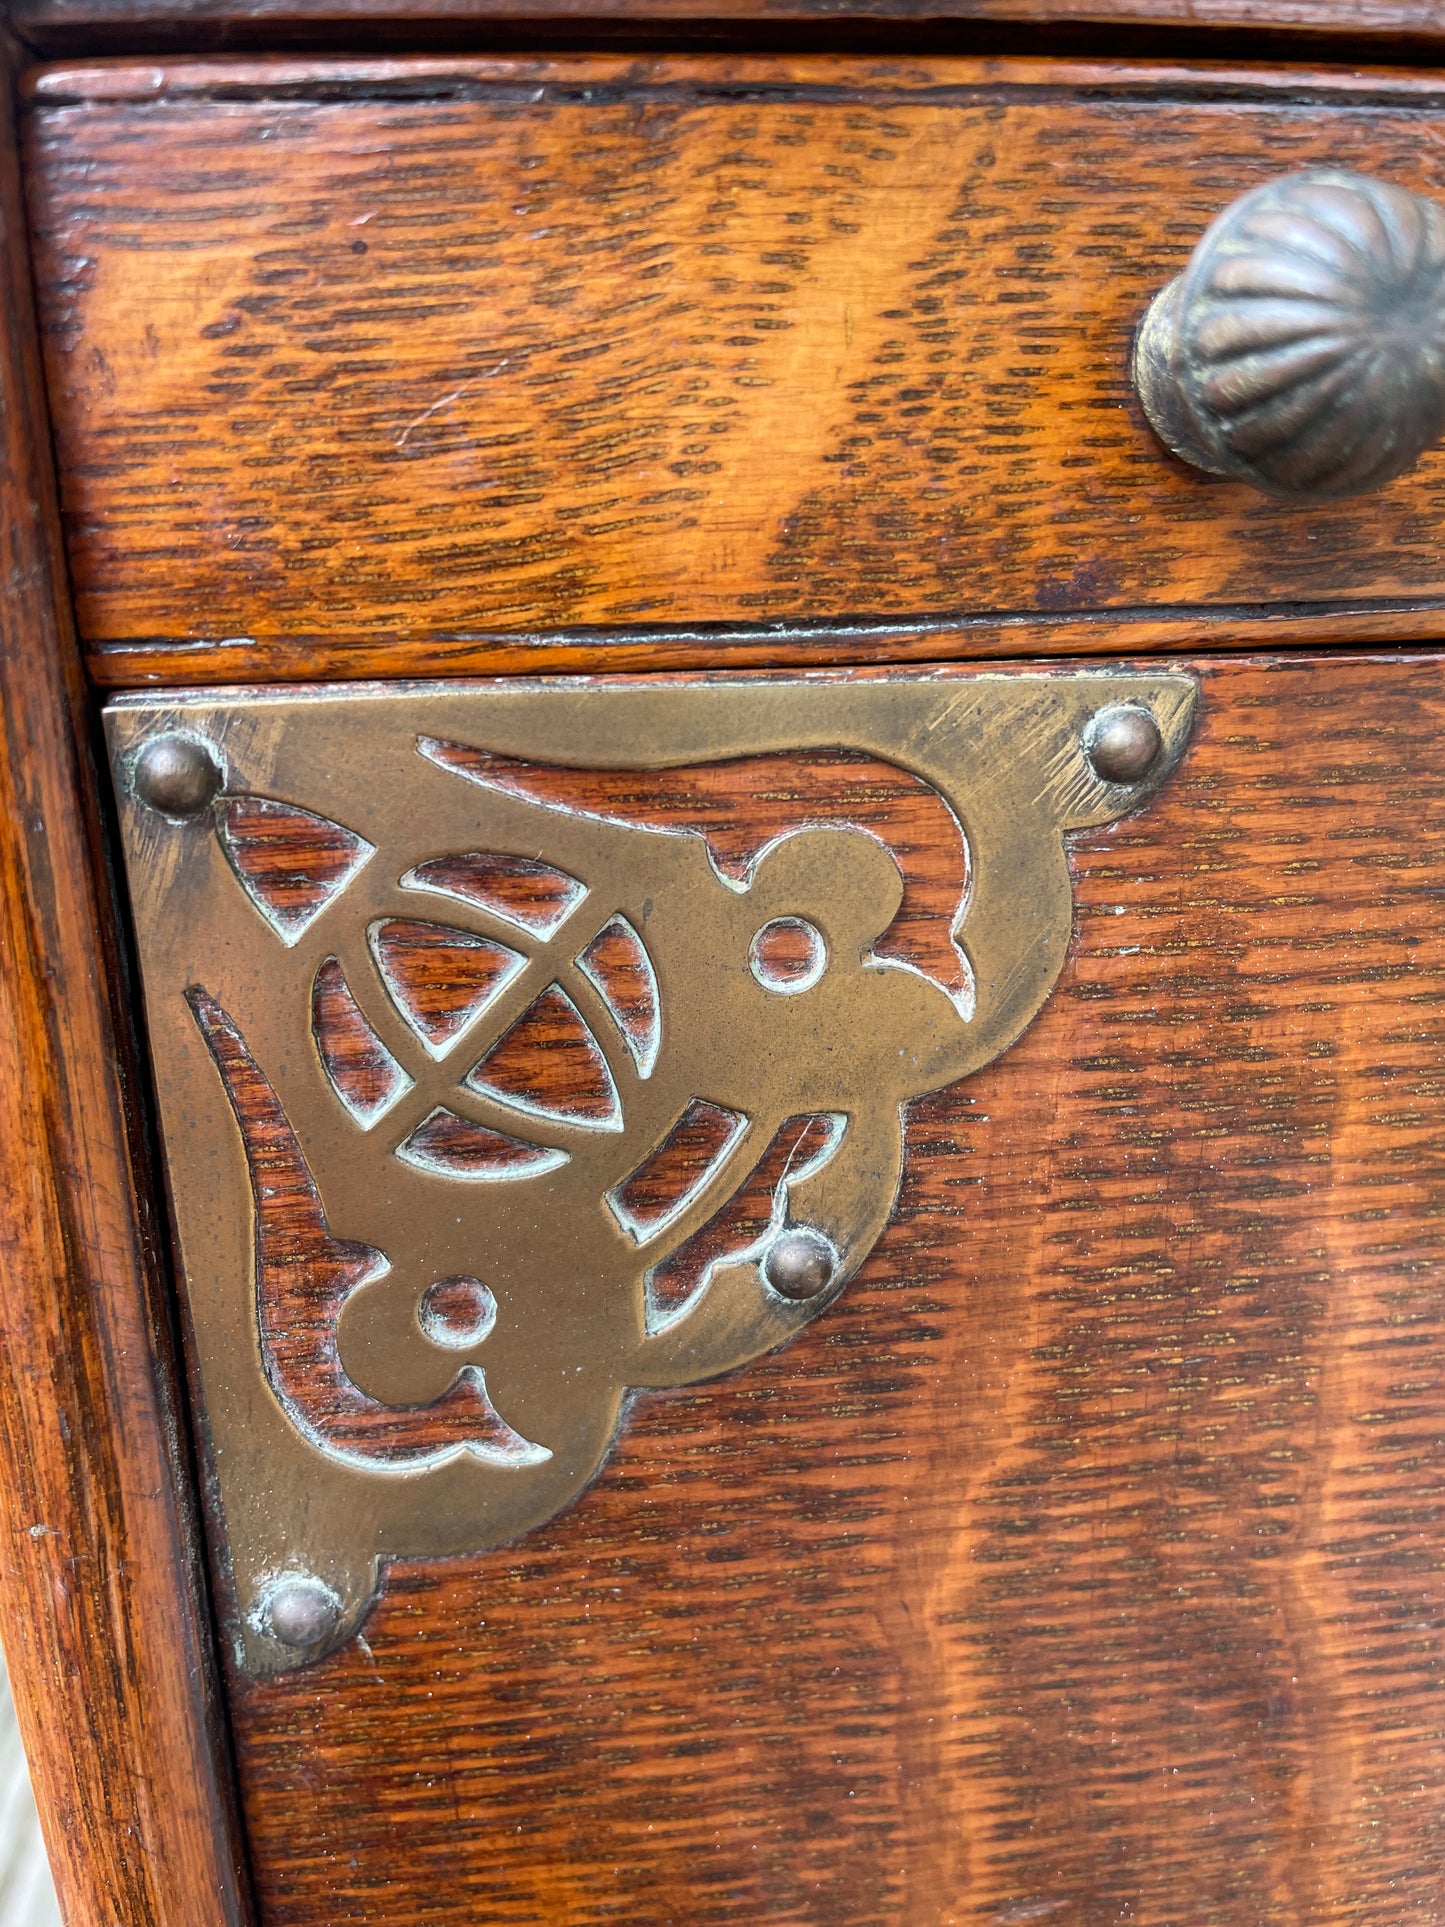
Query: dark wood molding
{"x": 182, "y": 662}
{"x": 105, "y": 1628}
{"x": 1404, "y": 30}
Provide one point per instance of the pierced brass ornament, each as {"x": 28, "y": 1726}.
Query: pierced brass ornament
{"x": 493, "y": 1090}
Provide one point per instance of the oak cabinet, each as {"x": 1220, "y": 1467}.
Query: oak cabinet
{"x": 495, "y": 479}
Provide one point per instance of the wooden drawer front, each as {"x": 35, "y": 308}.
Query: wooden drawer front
{"x": 1084, "y": 1560}
{"x": 433, "y": 350}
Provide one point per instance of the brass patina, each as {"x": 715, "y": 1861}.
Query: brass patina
{"x": 1302, "y": 350}
{"x": 325, "y": 1244}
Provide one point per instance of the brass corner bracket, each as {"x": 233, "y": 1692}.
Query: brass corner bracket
{"x": 494, "y": 1088}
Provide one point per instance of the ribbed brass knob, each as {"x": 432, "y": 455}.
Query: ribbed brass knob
{"x": 1303, "y": 348}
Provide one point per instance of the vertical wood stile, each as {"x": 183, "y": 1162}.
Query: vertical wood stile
{"x": 105, "y": 1629}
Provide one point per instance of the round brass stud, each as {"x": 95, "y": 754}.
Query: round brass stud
{"x": 176, "y": 775}
{"x": 1123, "y": 743}
{"x": 300, "y": 1610}
{"x": 800, "y": 1263}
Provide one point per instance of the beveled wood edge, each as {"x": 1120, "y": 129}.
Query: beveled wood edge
{"x": 106, "y": 1631}
{"x": 1194, "y": 664}
{"x": 188, "y": 664}
{"x": 138, "y": 78}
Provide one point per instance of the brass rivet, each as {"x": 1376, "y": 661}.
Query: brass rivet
{"x": 300, "y": 1610}
{"x": 800, "y": 1263}
{"x": 1123, "y": 743}
{"x": 176, "y": 775}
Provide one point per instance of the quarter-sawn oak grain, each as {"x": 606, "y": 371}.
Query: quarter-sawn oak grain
{"x": 1086, "y": 1561}
{"x": 365, "y": 357}
{"x": 107, "y": 1640}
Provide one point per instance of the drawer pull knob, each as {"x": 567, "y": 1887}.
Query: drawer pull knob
{"x": 1302, "y": 350}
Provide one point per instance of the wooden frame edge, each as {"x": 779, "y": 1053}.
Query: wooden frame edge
{"x": 106, "y": 1631}
{"x": 184, "y": 663}
{"x": 62, "y": 29}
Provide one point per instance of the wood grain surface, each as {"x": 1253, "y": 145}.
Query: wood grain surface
{"x": 1086, "y": 1561}
{"x": 106, "y": 1636}
{"x": 357, "y": 365}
